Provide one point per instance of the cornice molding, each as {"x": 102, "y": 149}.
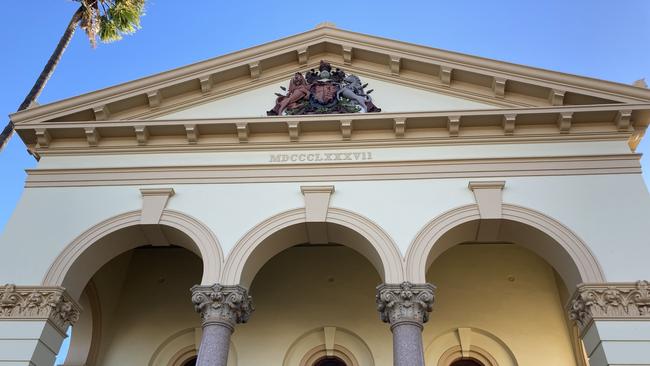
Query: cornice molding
{"x": 322, "y": 172}
{"x": 587, "y": 122}
{"x": 51, "y": 304}
{"x": 610, "y": 301}
{"x": 388, "y": 57}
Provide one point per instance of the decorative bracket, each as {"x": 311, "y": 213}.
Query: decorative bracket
{"x": 346, "y": 129}
{"x": 206, "y": 83}
{"x": 192, "y": 132}
{"x": 399, "y": 127}
{"x": 509, "y": 124}
{"x": 499, "y": 87}
{"x": 445, "y": 75}
{"x": 347, "y": 55}
{"x": 141, "y": 134}
{"x": 623, "y": 120}
{"x": 303, "y": 55}
{"x": 564, "y": 122}
{"x": 294, "y": 130}
{"x": 102, "y": 113}
{"x": 242, "y": 131}
{"x": 556, "y": 97}
{"x": 155, "y": 98}
{"x": 254, "y": 68}
{"x": 453, "y": 125}
{"x": 395, "y": 62}
{"x": 92, "y": 136}
{"x": 43, "y": 137}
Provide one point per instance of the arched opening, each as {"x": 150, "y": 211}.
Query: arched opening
{"x": 133, "y": 281}
{"x": 190, "y": 362}
{"x": 330, "y": 361}
{"x": 508, "y": 277}
{"x": 466, "y": 362}
{"x": 317, "y": 297}
{"x": 289, "y": 229}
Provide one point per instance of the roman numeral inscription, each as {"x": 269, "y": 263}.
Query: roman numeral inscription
{"x": 320, "y": 157}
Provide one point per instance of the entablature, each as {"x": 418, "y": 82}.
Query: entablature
{"x": 598, "y": 122}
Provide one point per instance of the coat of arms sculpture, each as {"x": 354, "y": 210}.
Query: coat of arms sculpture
{"x": 324, "y": 92}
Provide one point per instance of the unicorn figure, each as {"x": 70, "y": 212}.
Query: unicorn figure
{"x": 352, "y": 89}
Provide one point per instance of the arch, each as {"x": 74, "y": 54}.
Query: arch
{"x": 80, "y": 259}
{"x": 181, "y": 347}
{"x": 308, "y": 348}
{"x": 243, "y": 261}
{"x": 482, "y": 345}
{"x": 565, "y": 251}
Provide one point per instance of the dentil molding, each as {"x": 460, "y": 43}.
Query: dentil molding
{"x": 39, "y": 303}
{"x": 227, "y": 305}
{"x": 610, "y": 301}
{"x": 405, "y": 302}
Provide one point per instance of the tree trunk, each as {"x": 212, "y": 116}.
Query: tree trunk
{"x": 45, "y": 75}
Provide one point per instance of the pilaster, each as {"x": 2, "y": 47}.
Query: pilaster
{"x": 614, "y": 321}
{"x": 33, "y": 323}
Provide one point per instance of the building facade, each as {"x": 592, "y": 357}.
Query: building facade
{"x": 333, "y": 198}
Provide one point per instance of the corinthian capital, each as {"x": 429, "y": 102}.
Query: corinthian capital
{"x": 39, "y": 303}
{"x": 610, "y": 301}
{"x": 405, "y": 302}
{"x": 225, "y": 304}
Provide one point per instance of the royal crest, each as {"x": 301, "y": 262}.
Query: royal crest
{"x": 323, "y": 91}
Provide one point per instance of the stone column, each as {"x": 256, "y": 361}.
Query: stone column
{"x": 221, "y": 308}
{"x": 406, "y": 307}
{"x": 33, "y": 323}
{"x": 614, "y": 322}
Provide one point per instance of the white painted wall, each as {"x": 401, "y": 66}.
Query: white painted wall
{"x": 387, "y": 96}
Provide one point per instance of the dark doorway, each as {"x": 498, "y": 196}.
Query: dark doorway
{"x": 190, "y": 362}
{"x": 330, "y": 361}
{"x": 466, "y": 362}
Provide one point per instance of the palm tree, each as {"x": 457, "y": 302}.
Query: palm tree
{"x": 107, "y": 20}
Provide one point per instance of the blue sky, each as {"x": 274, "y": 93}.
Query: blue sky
{"x": 599, "y": 38}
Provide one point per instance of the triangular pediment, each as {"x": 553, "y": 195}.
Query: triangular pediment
{"x": 405, "y": 77}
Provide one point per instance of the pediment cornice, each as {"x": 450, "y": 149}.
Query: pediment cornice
{"x": 489, "y": 81}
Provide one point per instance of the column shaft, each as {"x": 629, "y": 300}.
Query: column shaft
{"x": 407, "y": 344}
{"x": 215, "y": 344}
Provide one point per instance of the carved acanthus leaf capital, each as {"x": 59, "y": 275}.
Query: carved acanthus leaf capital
{"x": 405, "y": 302}
{"x": 35, "y": 302}
{"x": 610, "y": 301}
{"x": 226, "y": 304}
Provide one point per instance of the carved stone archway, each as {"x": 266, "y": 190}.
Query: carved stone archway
{"x": 80, "y": 259}
{"x": 556, "y": 243}
{"x": 358, "y": 232}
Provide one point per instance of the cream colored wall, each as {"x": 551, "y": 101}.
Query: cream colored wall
{"x": 308, "y": 288}
{"x": 387, "y": 96}
{"x": 152, "y": 304}
{"x": 601, "y": 209}
{"x": 504, "y": 290}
